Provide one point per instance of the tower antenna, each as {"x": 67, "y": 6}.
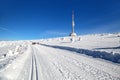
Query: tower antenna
{"x": 73, "y": 22}
{"x": 73, "y": 34}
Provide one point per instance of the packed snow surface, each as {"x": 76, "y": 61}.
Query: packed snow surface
{"x": 88, "y": 57}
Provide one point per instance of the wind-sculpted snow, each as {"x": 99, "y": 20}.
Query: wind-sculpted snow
{"x": 96, "y": 54}
{"x": 6, "y": 61}
{"x": 9, "y": 51}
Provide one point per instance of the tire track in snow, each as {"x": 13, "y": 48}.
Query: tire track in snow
{"x": 98, "y": 74}
{"x": 48, "y": 70}
{"x": 66, "y": 70}
{"x": 67, "y": 74}
{"x": 34, "y": 68}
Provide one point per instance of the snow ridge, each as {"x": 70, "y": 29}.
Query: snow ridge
{"x": 96, "y": 54}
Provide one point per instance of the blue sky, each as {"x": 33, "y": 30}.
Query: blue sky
{"x": 36, "y": 19}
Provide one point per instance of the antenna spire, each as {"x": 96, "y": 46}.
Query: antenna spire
{"x": 73, "y": 34}
{"x": 73, "y": 22}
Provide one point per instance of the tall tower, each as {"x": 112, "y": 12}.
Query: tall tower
{"x": 73, "y": 34}
{"x": 73, "y": 22}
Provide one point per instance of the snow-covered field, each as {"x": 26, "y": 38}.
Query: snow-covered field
{"x": 88, "y": 57}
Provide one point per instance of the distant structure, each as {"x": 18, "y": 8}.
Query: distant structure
{"x": 73, "y": 34}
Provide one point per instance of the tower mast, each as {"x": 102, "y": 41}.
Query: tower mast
{"x": 73, "y": 34}
{"x": 73, "y": 22}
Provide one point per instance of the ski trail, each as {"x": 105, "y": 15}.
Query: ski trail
{"x": 48, "y": 70}
{"x": 66, "y": 70}
{"x": 72, "y": 68}
{"x": 35, "y": 67}
{"x": 46, "y": 63}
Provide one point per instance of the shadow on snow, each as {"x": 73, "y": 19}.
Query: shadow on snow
{"x": 109, "y": 48}
{"x": 96, "y": 54}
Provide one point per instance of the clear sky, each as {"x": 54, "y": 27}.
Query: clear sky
{"x": 36, "y": 19}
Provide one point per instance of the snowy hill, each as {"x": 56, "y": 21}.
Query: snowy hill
{"x": 87, "y": 57}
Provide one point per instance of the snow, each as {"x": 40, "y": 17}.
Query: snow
{"x": 101, "y": 42}
{"x": 87, "y": 57}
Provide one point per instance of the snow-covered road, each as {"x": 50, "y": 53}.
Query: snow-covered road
{"x": 56, "y": 64}
{"x": 47, "y": 63}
